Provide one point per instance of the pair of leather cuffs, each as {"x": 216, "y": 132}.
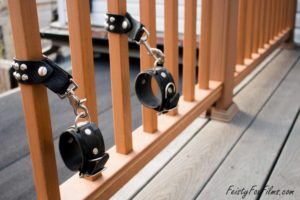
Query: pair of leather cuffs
{"x": 167, "y": 97}
{"x": 42, "y": 72}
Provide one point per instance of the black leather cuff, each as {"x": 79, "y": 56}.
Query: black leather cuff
{"x": 167, "y": 97}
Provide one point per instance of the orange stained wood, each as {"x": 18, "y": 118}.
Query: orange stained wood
{"x": 205, "y": 43}
{"x": 82, "y": 53}
{"x": 189, "y": 50}
{"x": 120, "y": 80}
{"x": 228, "y": 33}
{"x": 241, "y": 32}
{"x": 262, "y": 24}
{"x": 171, "y": 40}
{"x": 268, "y": 25}
{"x": 256, "y": 16}
{"x": 148, "y": 18}
{"x": 272, "y": 19}
{"x": 25, "y": 29}
{"x": 249, "y": 29}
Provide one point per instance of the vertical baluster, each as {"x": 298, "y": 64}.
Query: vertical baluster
{"x": 262, "y": 25}
{"x": 148, "y": 18}
{"x": 272, "y": 20}
{"x": 256, "y": 17}
{"x": 241, "y": 32}
{"x": 120, "y": 80}
{"x": 171, "y": 40}
{"x": 189, "y": 49}
{"x": 205, "y": 42}
{"x": 82, "y": 53}
{"x": 224, "y": 29}
{"x": 249, "y": 29}
{"x": 25, "y": 29}
{"x": 268, "y": 22}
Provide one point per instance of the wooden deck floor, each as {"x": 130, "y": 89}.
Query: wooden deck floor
{"x": 259, "y": 149}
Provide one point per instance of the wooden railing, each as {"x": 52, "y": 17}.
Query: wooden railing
{"x": 236, "y": 35}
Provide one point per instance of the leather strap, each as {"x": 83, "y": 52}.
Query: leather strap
{"x": 42, "y": 72}
{"x": 167, "y": 97}
{"x": 124, "y": 25}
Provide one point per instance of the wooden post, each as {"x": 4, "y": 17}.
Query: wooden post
{"x": 82, "y": 53}
{"x": 120, "y": 80}
{"x": 171, "y": 40}
{"x": 268, "y": 22}
{"x": 148, "y": 18}
{"x": 189, "y": 50}
{"x": 249, "y": 29}
{"x": 255, "y": 32}
{"x": 262, "y": 24}
{"x": 205, "y": 42}
{"x": 25, "y": 28}
{"x": 225, "y": 26}
{"x": 241, "y": 32}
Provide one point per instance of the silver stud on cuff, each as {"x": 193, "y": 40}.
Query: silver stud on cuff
{"x": 23, "y": 67}
{"x": 16, "y": 66}
{"x": 111, "y": 27}
{"x": 42, "y": 71}
{"x": 17, "y": 76}
{"x": 95, "y": 151}
{"x": 112, "y": 19}
{"x": 170, "y": 90}
{"x": 124, "y": 24}
{"x": 163, "y": 74}
{"x": 24, "y": 77}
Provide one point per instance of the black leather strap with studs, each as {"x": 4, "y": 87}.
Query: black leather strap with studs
{"x": 124, "y": 25}
{"x": 42, "y": 72}
{"x": 167, "y": 97}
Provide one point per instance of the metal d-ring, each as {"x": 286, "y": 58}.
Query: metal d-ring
{"x": 167, "y": 87}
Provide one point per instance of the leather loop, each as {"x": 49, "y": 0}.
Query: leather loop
{"x": 124, "y": 25}
{"x": 42, "y": 72}
{"x": 167, "y": 96}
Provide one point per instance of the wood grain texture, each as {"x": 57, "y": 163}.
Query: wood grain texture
{"x": 241, "y": 34}
{"x": 82, "y": 56}
{"x": 147, "y": 17}
{"x": 255, "y": 32}
{"x": 120, "y": 83}
{"x": 189, "y": 171}
{"x": 171, "y": 41}
{"x": 26, "y": 37}
{"x": 205, "y": 44}
{"x": 249, "y": 28}
{"x": 286, "y": 174}
{"x": 252, "y": 158}
{"x": 189, "y": 50}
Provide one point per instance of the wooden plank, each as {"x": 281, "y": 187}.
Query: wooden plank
{"x": 120, "y": 168}
{"x": 194, "y": 164}
{"x": 286, "y": 174}
{"x": 82, "y": 53}
{"x": 35, "y": 101}
{"x": 119, "y": 65}
{"x": 171, "y": 40}
{"x": 189, "y": 50}
{"x": 249, "y": 29}
{"x": 262, "y": 24}
{"x": 253, "y": 156}
{"x": 148, "y": 16}
{"x": 267, "y": 31}
{"x": 205, "y": 44}
{"x": 241, "y": 32}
